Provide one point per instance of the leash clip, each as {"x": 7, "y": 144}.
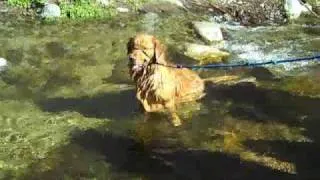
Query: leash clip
{"x": 274, "y": 62}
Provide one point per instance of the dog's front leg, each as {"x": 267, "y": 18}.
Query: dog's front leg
{"x": 175, "y": 119}
{"x": 146, "y": 114}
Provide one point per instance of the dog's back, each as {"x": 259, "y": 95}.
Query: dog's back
{"x": 162, "y": 83}
{"x": 190, "y": 85}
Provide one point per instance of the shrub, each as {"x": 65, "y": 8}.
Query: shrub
{"x": 75, "y": 9}
{"x": 85, "y": 9}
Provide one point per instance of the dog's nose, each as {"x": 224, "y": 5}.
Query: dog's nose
{"x": 131, "y": 59}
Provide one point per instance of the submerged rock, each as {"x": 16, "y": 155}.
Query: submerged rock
{"x": 206, "y": 54}
{"x": 3, "y": 64}
{"x": 50, "y": 10}
{"x": 210, "y": 31}
{"x": 15, "y": 55}
{"x": 263, "y": 73}
{"x": 294, "y": 8}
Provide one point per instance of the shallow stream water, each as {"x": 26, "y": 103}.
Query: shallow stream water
{"x": 68, "y": 111}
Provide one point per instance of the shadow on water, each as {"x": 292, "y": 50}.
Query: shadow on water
{"x": 249, "y": 102}
{"x": 261, "y": 104}
{"x": 303, "y": 154}
{"x": 125, "y": 155}
{"x": 120, "y": 73}
{"x": 114, "y": 105}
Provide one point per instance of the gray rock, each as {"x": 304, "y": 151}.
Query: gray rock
{"x": 3, "y": 10}
{"x": 198, "y": 49}
{"x": 210, "y": 31}
{"x": 206, "y": 54}
{"x": 122, "y": 9}
{"x": 3, "y": 7}
{"x": 3, "y": 64}
{"x": 50, "y": 10}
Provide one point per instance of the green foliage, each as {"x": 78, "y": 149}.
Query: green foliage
{"x": 85, "y": 9}
{"x": 20, "y": 3}
{"x": 77, "y": 9}
{"x": 24, "y": 3}
{"x": 81, "y": 9}
{"x": 313, "y": 2}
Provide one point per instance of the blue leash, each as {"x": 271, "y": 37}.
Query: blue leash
{"x": 247, "y": 64}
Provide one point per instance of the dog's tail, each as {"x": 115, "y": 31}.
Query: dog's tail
{"x": 229, "y": 80}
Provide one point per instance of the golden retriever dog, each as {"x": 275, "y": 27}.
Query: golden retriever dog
{"x": 160, "y": 86}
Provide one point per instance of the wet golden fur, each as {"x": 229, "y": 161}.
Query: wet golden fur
{"x": 159, "y": 87}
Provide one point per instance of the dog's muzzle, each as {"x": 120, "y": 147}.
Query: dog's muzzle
{"x": 137, "y": 67}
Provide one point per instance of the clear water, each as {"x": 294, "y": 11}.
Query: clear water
{"x": 68, "y": 111}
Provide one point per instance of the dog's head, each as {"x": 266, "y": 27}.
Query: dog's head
{"x": 143, "y": 50}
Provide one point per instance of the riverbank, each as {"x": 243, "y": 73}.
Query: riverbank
{"x": 248, "y": 12}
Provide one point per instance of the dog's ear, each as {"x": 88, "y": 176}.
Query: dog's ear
{"x": 130, "y": 45}
{"x": 159, "y": 52}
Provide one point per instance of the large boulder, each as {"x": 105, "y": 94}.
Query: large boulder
{"x": 294, "y": 8}
{"x": 50, "y": 10}
{"x": 209, "y": 31}
{"x": 205, "y": 54}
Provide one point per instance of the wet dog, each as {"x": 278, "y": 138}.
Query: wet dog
{"x": 159, "y": 85}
